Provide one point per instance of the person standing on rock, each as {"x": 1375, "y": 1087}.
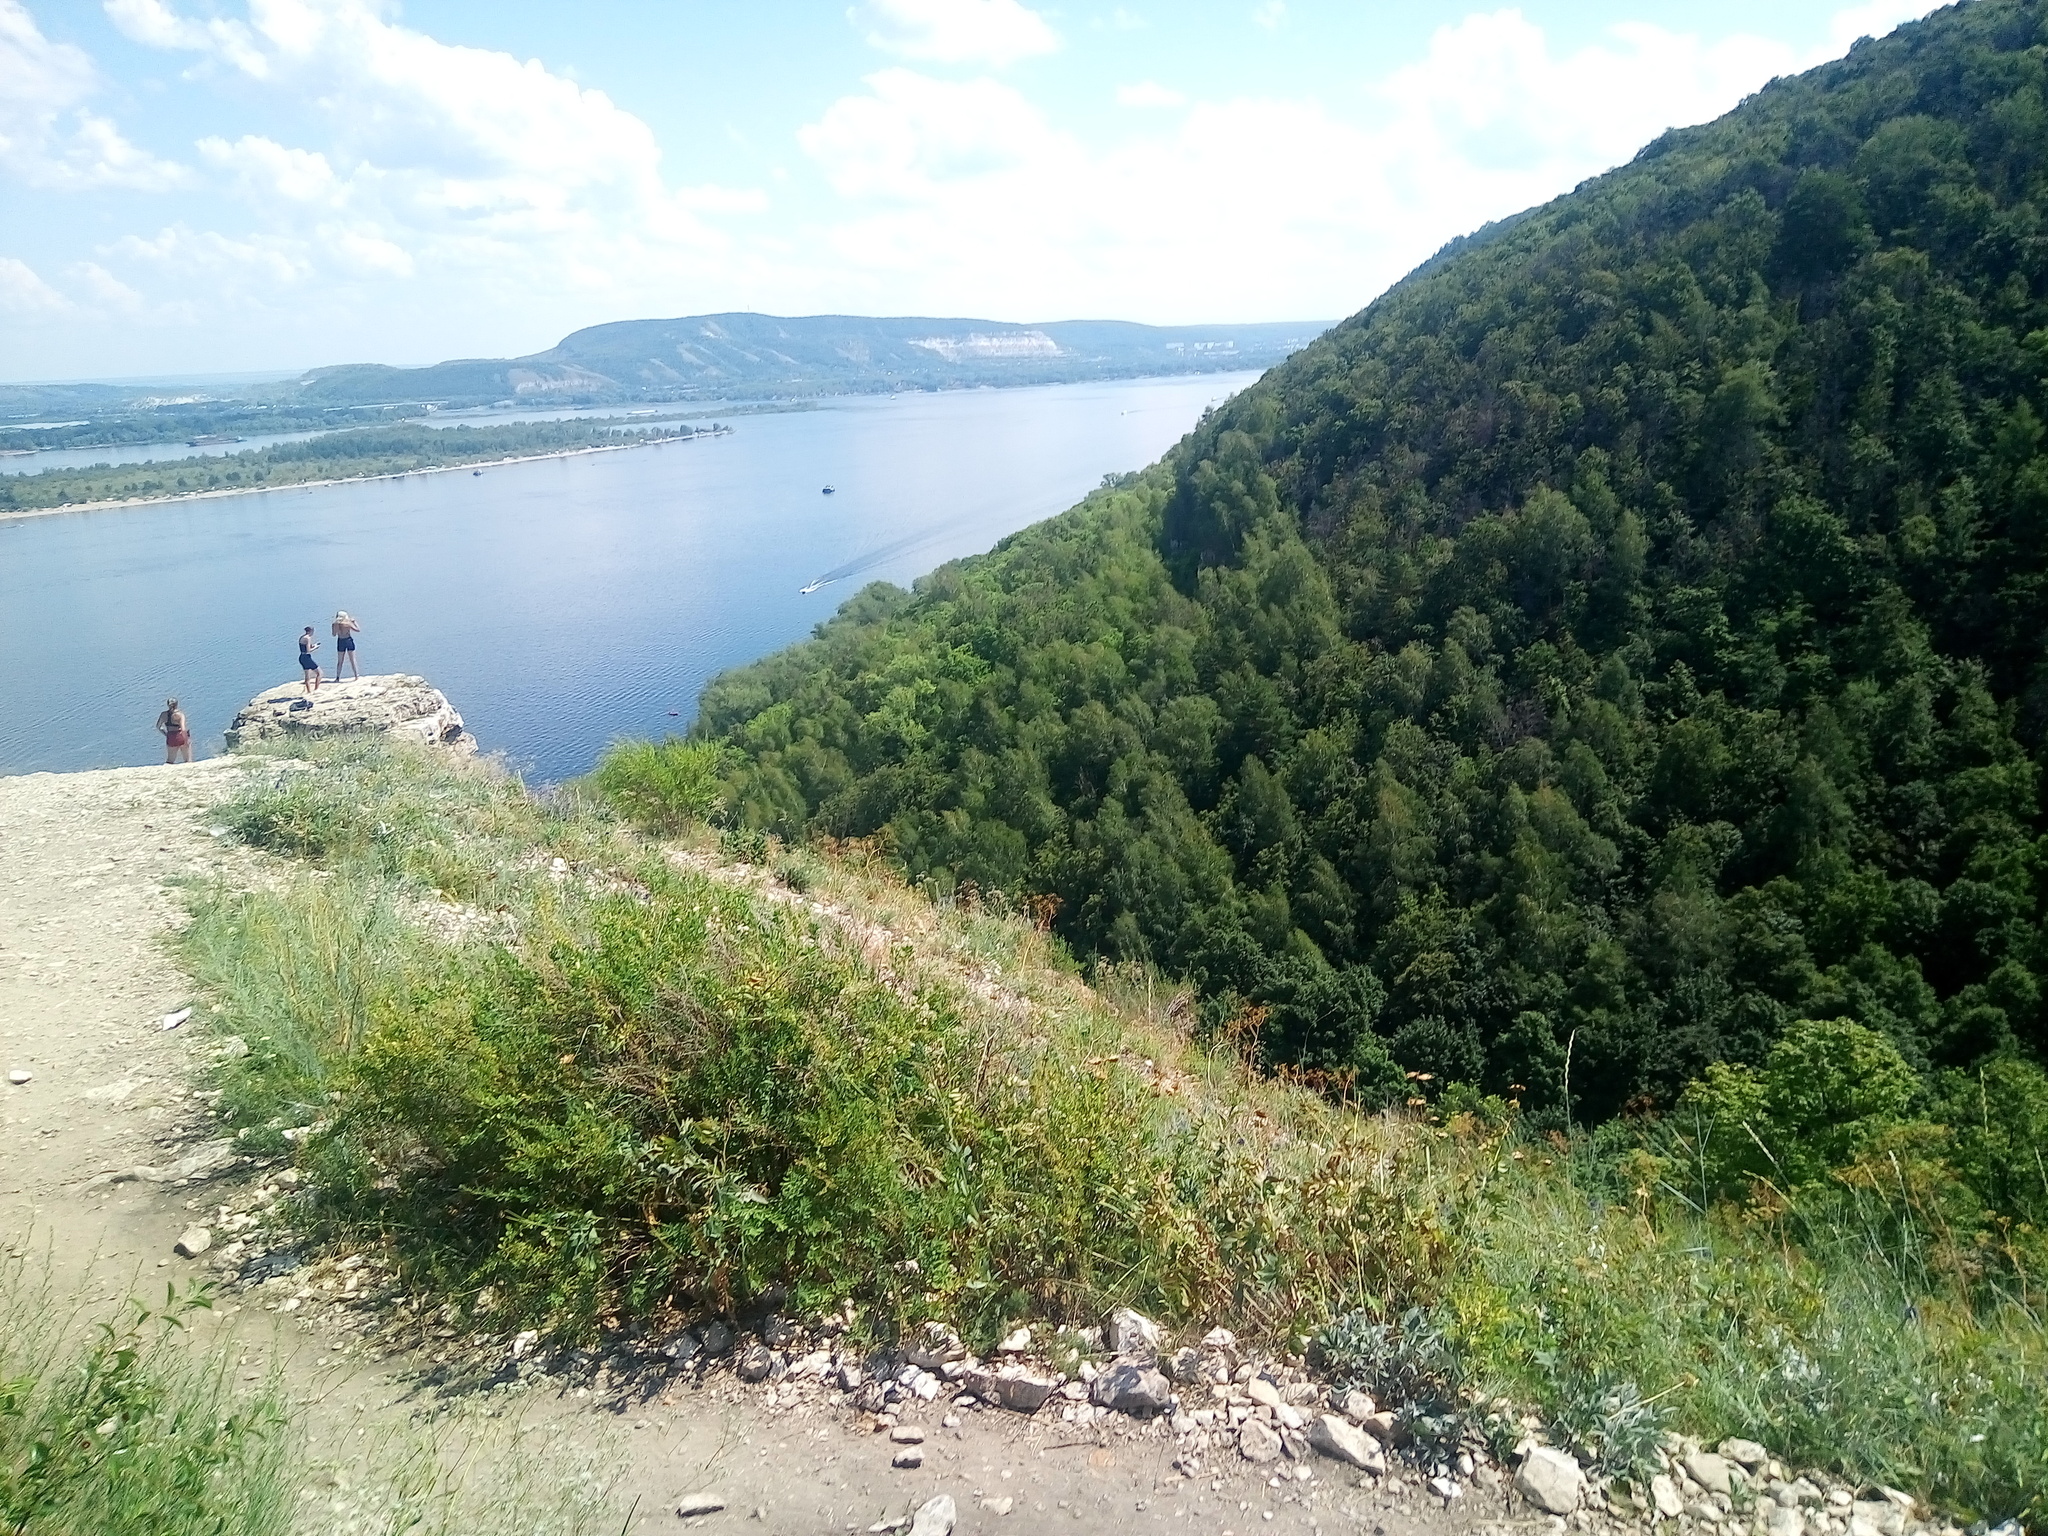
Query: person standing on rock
{"x": 309, "y": 669}
{"x": 345, "y": 630}
{"x": 176, "y": 732}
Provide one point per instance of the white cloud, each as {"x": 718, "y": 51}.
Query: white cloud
{"x": 265, "y": 167}
{"x": 987, "y": 32}
{"x": 25, "y": 294}
{"x": 966, "y": 197}
{"x": 486, "y": 181}
{"x": 47, "y": 137}
{"x": 1147, "y": 93}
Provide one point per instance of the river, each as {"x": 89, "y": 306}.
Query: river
{"x": 561, "y": 604}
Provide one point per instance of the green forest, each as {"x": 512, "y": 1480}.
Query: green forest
{"x": 347, "y": 455}
{"x": 1621, "y": 641}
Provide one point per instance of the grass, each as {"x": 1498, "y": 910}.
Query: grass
{"x": 605, "y": 1080}
{"x": 112, "y": 1425}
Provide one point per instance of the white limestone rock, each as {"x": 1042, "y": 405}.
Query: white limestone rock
{"x": 1551, "y": 1480}
{"x": 394, "y": 704}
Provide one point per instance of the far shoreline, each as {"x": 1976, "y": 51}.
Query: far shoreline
{"x": 26, "y": 513}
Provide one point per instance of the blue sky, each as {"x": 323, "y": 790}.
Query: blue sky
{"x": 202, "y": 186}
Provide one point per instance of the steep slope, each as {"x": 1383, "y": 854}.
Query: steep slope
{"x": 1622, "y": 638}
{"x": 735, "y": 355}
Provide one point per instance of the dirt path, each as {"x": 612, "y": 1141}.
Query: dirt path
{"x": 88, "y": 863}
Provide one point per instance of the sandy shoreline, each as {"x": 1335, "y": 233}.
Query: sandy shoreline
{"x": 23, "y": 514}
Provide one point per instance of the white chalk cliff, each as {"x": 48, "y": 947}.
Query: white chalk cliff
{"x": 409, "y": 708}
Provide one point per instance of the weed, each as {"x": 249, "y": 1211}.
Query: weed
{"x": 115, "y": 1428}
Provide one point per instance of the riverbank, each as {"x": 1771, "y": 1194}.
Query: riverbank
{"x": 475, "y": 466}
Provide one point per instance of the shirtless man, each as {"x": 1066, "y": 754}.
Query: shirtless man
{"x": 345, "y": 629}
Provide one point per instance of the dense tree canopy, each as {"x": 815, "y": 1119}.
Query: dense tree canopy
{"x": 1623, "y": 638}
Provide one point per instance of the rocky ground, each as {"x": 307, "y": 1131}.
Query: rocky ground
{"x": 770, "y": 1423}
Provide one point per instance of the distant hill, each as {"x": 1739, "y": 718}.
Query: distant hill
{"x": 748, "y": 355}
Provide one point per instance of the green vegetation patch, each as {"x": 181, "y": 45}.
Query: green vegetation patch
{"x": 1621, "y": 640}
{"x": 573, "y": 1080}
{"x": 115, "y": 1428}
{"x": 353, "y": 454}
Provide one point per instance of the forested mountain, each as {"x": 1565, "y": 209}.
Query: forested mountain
{"x": 733, "y": 356}
{"x": 1622, "y": 638}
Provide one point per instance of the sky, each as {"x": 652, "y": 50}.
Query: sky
{"x": 193, "y": 187}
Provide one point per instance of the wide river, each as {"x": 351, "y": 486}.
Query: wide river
{"x": 560, "y": 604}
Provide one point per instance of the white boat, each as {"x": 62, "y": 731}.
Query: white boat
{"x": 807, "y": 591}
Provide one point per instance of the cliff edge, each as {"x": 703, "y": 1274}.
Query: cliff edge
{"x": 395, "y": 704}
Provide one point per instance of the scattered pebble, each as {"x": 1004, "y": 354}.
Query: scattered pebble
{"x": 705, "y": 1503}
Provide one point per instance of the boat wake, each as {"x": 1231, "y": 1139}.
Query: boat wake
{"x": 880, "y": 554}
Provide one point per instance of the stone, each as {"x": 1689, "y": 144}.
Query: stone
{"x": 393, "y": 704}
{"x": 934, "y": 1517}
{"x": 194, "y": 1241}
{"x": 907, "y": 1434}
{"x": 1219, "y": 1338}
{"x": 1806, "y": 1491}
{"x": 777, "y": 1330}
{"x": 1446, "y": 1488}
{"x": 1747, "y": 1453}
{"x": 1881, "y": 1515}
{"x": 1781, "y": 1521}
{"x": 1130, "y": 1388}
{"x": 1015, "y": 1343}
{"x": 1134, "y": 1334}
{"x": 683, "y": 1348}
{"x": 1344, "y": 1441}
{"x": 1258, "y": 1442}
{"x": 755, "y": 1363}
{"x": 1714, "y": 1473}
{"x": 21, "y": 1077}
{"x": 1551, "y": 1480}
{"x": 933, "y": 1345}
{"x": 1386, "y": 1428}
{"x": 716, "y": 1338}
{"x": 1664, "y": 1497}
{"x": 1001, "y": 1506}
{"x": 1184, "y": 1365}
{"x": 695, "y": 1504}
{"x": 1356, "y": 1406}
{"x": 909, "y": 1459}
{"x": 850, "y": 1376}
{"x": 1017, "y": 1390}
{"x": 1295, "y": 1444}
{"x": 1263, "y": 1392}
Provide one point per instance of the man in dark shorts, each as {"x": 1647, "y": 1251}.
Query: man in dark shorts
{"x": 345, "y": 629}
{"x": 309, "y": 669}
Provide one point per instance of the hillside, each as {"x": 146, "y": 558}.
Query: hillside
{"x": 743, "y": 355}
{"x": 1619, "y": 641}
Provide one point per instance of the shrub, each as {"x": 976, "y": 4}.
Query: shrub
{"x": 1828, "y": 1089}
{"x": 665, "y": 786}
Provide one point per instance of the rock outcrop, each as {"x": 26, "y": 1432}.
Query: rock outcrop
{"x": 409, "y": 708}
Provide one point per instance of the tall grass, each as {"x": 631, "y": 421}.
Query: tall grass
{"x": 114, "y": 1426}
{"x": 638, "y": 1090}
